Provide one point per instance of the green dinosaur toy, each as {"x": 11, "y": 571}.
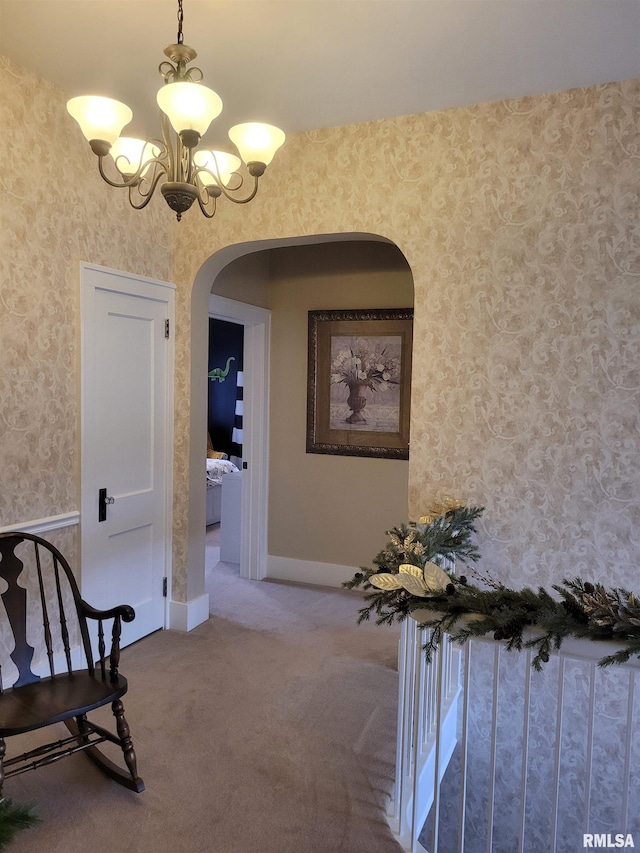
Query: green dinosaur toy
{"x": 220, "y": 374}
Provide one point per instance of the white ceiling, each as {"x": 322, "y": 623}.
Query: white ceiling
{"x": 308, "y": 64}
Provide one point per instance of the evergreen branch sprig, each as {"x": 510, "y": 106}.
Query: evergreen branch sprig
{"x": 410, "y": 574}
{"x": 13, "y": 818}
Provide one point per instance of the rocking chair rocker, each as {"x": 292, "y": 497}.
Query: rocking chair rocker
{"x": 65, "y": 694}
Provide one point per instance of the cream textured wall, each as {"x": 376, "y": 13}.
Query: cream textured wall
{"x": 519, "y": 221}
{"x": 329, "y": 509}
{"x": 55, "y": 211}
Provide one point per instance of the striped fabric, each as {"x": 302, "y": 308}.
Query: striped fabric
{"x": 236, "y": 436}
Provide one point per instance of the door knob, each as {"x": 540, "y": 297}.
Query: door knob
{"x": 103, "y": 500}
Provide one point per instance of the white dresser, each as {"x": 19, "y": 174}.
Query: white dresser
{"x": 231, "y": 518}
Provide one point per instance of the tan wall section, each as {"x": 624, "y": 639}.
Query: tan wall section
{"x": 329, "y": 509}
{"x": 245, "y": 280}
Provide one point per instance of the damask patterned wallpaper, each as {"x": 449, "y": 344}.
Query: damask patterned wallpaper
{"x": 520, "y": 223}
{"x": 55, "y": 211}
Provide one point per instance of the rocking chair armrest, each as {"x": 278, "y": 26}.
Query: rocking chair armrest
{"x": 124, "y": 611}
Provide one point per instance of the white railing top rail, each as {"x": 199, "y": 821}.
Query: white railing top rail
{"x": 576, "y": 648}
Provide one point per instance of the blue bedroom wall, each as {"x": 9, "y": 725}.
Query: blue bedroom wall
{"x": 226, "y": 341}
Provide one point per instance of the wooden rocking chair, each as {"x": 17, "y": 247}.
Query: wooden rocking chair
{"x": 64, "y": 694}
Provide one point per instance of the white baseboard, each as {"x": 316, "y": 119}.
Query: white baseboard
{"x": 185, "y": 616}
{"x": 308, "y": 571}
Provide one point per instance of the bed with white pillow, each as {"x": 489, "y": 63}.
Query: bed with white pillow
{"x": 216, "y": 470}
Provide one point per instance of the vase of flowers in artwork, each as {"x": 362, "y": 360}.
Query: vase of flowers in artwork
{"x": 365, "y": 366}
{"x": 356, "y": 402}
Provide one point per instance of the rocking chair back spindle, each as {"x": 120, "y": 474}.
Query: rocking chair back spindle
{"x": 48, "y": 621}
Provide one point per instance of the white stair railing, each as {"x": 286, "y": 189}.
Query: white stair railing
{"x": 494, "y": 757}
{"x": 427, "y": 705}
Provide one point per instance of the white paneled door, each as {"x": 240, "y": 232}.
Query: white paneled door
{"x": 127, "y": 416}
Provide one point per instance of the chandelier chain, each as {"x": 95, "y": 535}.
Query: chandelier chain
{"x": 180, "y": 20}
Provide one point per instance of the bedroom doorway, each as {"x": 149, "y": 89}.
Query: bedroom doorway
{"x": 224, "y": 440}
{"x": 244, "y": 513}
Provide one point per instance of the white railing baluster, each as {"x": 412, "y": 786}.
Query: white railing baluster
{"x": 589, "y": 743}
{"x": 627, "y": 748}
{"x": 397, "y": 806}
{"x": 419, "y": 738}
{"x": 557, "y": 755}
{"x": 525, "y": 750}
{"x": 435, "y": 809}
{"x": 494, "y": 738}
{"x": 429, "y": 692}
{"x": 408, "y": 793}
{"x": 464, "y": 735}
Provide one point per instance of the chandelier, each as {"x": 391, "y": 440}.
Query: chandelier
{"x": 185, "y": 172}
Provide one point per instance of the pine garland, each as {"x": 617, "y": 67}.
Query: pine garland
{"x": 14, "y": 817}
{"x": 410, "y": 575}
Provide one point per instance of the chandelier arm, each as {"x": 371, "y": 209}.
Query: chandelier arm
{"x": 133, "y": 180}
{"x": 213, "y": 171}
{"x": 188, "y": 74}
{"x": 123, "y": 184}
{"x": 145, "y": 200}
{"x": 146, "y": 196}
{"x": 203, "y": 206}
{"x": 227, "y": 194}
{"x": 168, "y": 71}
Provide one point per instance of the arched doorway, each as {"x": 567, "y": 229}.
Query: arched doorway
{"x": 213, "y": 272}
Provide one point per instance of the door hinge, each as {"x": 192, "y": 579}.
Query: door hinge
{"x": 164, "y": 587}
{"x": 166, "y": 328}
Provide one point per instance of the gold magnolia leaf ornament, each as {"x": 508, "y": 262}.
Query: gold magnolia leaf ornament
{"x": 385, "y": 581}
{"x": 440, "y": 509}
{"x": 415, "y": 586}
{"x": 408, "y": 569}
{"x": 416, "y": 581}
{"x": 435, "y": 578}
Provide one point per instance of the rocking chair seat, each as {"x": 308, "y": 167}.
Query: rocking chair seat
{"x": 53, "y": 700}
{"x": 36, "y": 581}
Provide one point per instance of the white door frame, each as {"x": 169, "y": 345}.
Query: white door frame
{"x": 255, "y": 430}
{"x": 152, "y": 289}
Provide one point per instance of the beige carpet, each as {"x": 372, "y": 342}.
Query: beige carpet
{"x": 269, "y": 729}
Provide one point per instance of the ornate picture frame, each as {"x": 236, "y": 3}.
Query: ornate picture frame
{"x": 359, "y": 382}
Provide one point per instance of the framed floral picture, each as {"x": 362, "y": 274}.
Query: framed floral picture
{"x": 359, "y": 382}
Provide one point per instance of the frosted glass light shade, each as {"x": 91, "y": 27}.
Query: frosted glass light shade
{"x": 189, "y": 106}
{"x": 99, "y": 118}
{"x": 257, "y": 143}
{"x": 128, "y": 152}
{"x": 219, "y": 162}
